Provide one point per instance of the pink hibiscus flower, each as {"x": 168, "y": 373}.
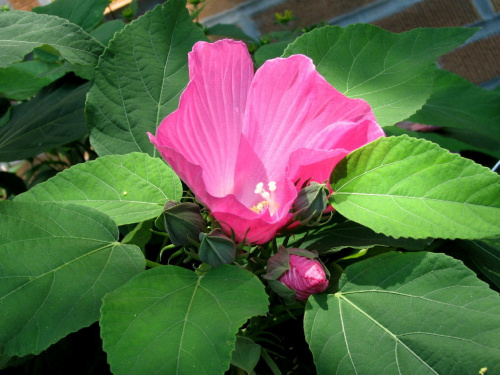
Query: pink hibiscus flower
{"x": 243, "y": 142}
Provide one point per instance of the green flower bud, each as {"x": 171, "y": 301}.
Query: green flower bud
{"x": 182, "y": 221}
{"x": 311, "y": 202}
{"x": 216, "y": 248}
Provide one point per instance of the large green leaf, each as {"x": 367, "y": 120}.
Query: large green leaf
{"x": 129, "y": 188}
{"x": 105, "y": 32}
{"x": 392, "y": 72}
{"x": 22, "y": 80}
{"x": 458, "y": 103}
{"x": 407, "y": 187}
{"x": 447, "y": 138}
{"x": 57, "y": 262}
{"x": 85, "y": 13}
{"x": 53, "y": 118}
{"x": 485, "y": 257}
{"x": 169, "y": 320}
{"x": 270, "y": 51}
{"x": 416, "y": 313}
{"x": 139, "y": 79}
{"x": 21, "y": 32}
{"x": 228, "y": 31}
{"x": 356, "y": 236}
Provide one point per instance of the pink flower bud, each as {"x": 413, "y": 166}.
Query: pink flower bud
{"x": 306, "y": 276}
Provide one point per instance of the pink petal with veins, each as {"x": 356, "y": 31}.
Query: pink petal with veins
{"x": 234, "y": 132}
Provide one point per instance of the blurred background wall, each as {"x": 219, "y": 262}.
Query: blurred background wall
{"x": 478, "y": 60}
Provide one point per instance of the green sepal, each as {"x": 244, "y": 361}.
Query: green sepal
{"x": 182, "y": 221}
{"x": 283, "y": 291}
{"x": 216, "y": 248}
{"x": 311, "y": 202}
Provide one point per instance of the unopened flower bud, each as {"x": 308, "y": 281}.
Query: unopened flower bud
{"x": 216, "y": 248}
{"x": 311, "y": 202}
{"x": 182, "y": 221}
{"x": 299, "y": 270}
{"x": 306, "y": 276}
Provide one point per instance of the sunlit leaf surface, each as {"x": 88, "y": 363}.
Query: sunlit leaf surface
{"x": 415, "y": 313}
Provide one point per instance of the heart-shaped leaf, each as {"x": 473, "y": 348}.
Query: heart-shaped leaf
{"x": 23, "y": 80}
{"x": 169, "y": 320}
{"x": 85, "y": 13}
{"x": 485, "y": 258}
{"x": 407, "y": 187}
{"x": 139, "y": 79}
{"x": 458, "y": 103}
{"x": 392, "y": 72}
{"x": 356, "y": 236}
{"x": 415, "y": 313}
{"x": 57, "y": 262}
{"x": 52, "y": 118}
{"x": 448, "y": 138}
{"x": 21, "y": 32}
{"x": 129, "y": 188}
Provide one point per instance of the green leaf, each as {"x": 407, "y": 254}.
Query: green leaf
{"x": 58, "y": 261}
{"x": 246, "y": 354}
{"x": 133, "y": 92}
{"x": 458, "y": 103}
{"x": 46, "y": 54}
{"x": 415, "y": 313}
{"x": 129, "y": 188}
{"x": 270, "y": 51}
{"x": 139, "y": 235}
{"x": 485, "y": 256}
{"x": 356, "y": 236}
{"x": 407, "y": 187}
{"x": 85, "y": 13}
{"x": 447, "y": 138}
{"x": 21, "y": 32}
{"x": 107, "y": 30}
{"x": 22, "y": 80}
{"x": 392, "y": 72}
{"x": 228, "y": 31}
{"x": 169, "y": 320}
{"x": 53, "y": 118}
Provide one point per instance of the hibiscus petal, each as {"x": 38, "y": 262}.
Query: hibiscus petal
{"x": 317, "y": 159}
{"x": 289, "y": 103}
{"x": 255, "y": 230}
{"x": 206, "y": 128}
{"x": 313, "y": 165}
{"x": 258, "y": 228}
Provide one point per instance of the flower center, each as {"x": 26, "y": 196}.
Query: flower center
{"x": 268, "y": 196}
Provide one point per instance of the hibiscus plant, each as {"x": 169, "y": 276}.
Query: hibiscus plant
{"x": 205, "y": 211}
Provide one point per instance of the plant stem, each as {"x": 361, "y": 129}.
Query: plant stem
{"x": 151, "y": 264}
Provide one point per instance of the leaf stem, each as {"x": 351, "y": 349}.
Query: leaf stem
{"x": 151, "y": 264}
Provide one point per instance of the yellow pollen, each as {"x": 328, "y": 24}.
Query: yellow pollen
{"x": 268, "y": 202}
{"x": 259, "y": 207}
